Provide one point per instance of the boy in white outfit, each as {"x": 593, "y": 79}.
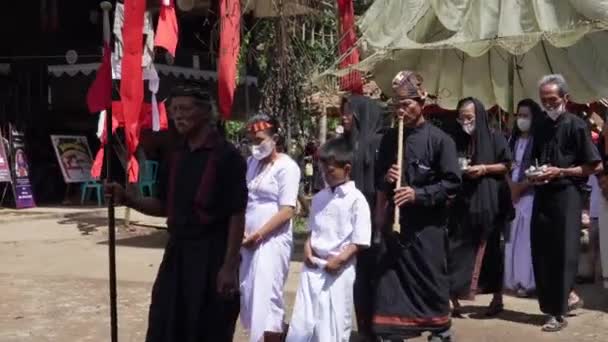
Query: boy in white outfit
{"x": 340, "y": 227}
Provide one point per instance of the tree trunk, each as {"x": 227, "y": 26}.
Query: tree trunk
{"x": 323, "y": 125}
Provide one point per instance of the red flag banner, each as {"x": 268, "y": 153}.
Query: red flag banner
{"x": 145, "y": 122}
{"x": 98, "y": 162}
{"x": 132, "y": 84}
{"x": 167, "y": 30}
{"x": 347, "y": 47}
{"x": 230, "y": 41}
{"x": 99, "y": 96}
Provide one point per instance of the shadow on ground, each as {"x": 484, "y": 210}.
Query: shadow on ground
{"x": 86, "y": 222}
{"x": 479, "y": 312}
{"x": 155, "y": 239}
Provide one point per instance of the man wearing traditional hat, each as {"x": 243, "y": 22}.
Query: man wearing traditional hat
{"x": 412, "y": 292}
{"x": 203, "y": 194}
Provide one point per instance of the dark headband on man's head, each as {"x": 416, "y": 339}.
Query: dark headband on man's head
{"x": 192, "y": 90}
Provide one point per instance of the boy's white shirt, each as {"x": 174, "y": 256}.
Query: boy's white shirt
{"x": 338, "y": 218}
{"x": 324, "y": 302}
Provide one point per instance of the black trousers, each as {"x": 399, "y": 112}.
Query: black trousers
{"x": 555, "y": 242}
{"x": 185, "y": 304}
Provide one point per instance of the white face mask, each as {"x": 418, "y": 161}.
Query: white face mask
{"x": 524, "y": 124}
{"x": 262, "y": 150}
{"x": 469, "y": 127}
{"x": 555, "y": 113}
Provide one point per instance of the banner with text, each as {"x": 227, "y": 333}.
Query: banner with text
{"x": 24, "y": 196}
{"x": 5, "y": 169}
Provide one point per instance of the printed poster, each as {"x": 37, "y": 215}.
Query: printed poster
{"x": 24, "y": 196}
{"x": 74, "y": 156}
{"x": 5, "y": 169}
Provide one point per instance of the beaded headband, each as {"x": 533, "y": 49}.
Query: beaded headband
{"x": 259, "y": 126}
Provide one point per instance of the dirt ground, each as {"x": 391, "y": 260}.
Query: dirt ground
{"x": 53, "y": 284}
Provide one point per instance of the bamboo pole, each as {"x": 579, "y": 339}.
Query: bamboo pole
{"x": 396, "y": 225}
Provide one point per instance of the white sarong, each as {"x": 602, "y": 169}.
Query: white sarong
{"x": 323, "y": 307}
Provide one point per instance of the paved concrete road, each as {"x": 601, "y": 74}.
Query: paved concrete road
{"x": 53, "y": 285}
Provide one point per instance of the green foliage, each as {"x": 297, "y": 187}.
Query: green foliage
{"x": 300, "y": 225}
{"x": 234, "y": 129}
{"x": 285, "y": 67}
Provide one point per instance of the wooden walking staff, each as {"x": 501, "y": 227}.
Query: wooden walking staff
{"x": 106, "y": 7}
{"x": 396, "y": 225}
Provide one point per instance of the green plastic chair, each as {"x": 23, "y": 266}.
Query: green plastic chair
{"x": 90, "y": 188}
{"x": 148, "y": 178}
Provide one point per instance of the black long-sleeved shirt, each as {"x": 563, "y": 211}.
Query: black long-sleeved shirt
{"x": 430, "y": 167}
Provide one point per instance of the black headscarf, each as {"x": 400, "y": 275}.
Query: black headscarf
{"x": 365, "y": 138}
{"x": 485, "y": 203}
{"x": 537, "y": 115}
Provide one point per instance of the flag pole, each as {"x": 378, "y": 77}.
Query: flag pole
{"x": 106, "y": 7}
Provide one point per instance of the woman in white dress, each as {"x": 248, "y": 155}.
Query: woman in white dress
{"x": 519, "y": 274}
{"x": 273, "y": 180}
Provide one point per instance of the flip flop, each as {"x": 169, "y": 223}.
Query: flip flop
{"x": 579, "y": 304}
{"x": 554, "y": 325}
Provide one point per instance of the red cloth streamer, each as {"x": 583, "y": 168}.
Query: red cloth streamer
{"x": 145, "y": 115}
{"x": 145, "y": 122}
{"x": 167, "y": 30}
{"x": 348, "y": 39}
{"x": 230, "y": 41}
{"x": 132, "y": 84}
{"x": 99, "y": 96}
{"x": 98, "y": 162}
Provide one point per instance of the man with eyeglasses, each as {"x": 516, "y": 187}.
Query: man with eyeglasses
{"x": 564, "y": 148}
{"x": 203, "y": 194}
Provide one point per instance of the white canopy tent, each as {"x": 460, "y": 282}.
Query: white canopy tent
{"x": 492, "y": 49}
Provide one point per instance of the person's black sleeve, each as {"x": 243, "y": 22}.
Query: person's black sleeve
{"x": 449, "y": 176}
{"x": 501, "y": 149}
{"x": 586, "y": 151}
{"x": 234, "y": 186}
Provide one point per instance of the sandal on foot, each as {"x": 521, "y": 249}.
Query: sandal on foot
{"x": 576, "y": 305}
{"x": 554, "y": 325}
{"x": 494, "y": 309}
